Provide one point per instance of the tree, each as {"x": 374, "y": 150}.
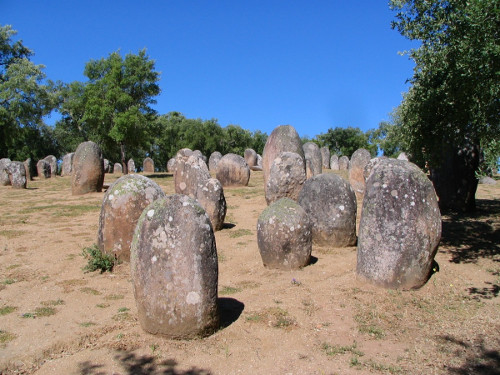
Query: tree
{"x": 117, "y": 100}
{"x": 452, "y": 106}
{"x": 25, "y": 99}
{"x": 386, "y": 138}
{"x": 344, "y": 141}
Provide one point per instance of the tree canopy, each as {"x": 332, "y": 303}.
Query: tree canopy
{"x": 344, "y": 141}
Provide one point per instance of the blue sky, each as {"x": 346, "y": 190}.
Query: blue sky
{"x": 259, "y": 64}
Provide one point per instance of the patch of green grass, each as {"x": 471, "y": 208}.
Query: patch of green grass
{"x": 59, "y": 210}
{"x": 226, "y": 290}
{"x": 123, "y": 309}
{"x": 92, "y": 291}
{"x": 28, "y": 315}
{"x": 372, "y": 330}
{"x": 10, "y": 233}
{"x": 254, "y": 317}
{"x": 381, "y": 367}
{"x": 87, "y": 324}
{"x": 8, "y": 281}
{"x": 97, "y": 260}
{"x": 11, "y": 267}
{"x": 44, "y": 311}
{"x": 102, "y": 305}
{"x": 114, "y": 297}
{"x": 240, "y": 233}
{"x": 7, "y": 310}
{"x": 333, "y": 350}
{"x": 123, "y": 316}
{"x": 5, "y": 337}
{"x": 52, "y": 302}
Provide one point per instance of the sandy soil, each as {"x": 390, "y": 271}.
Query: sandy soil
{"x": 56, "y": 319}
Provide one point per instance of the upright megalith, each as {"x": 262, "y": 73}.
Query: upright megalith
{"x": 174, "y": 269}
{"x": 400, "y": 226}
{"x": 200, "y": 155}
{"x": 233, "y": 170}
{"x": 28, "y": 165}
{"x": 121, "y": 208}
{"x": 334, "y": 162}
{"x": 67, "y": 164}
{"x": 214, "y": 160}
{"x": 359, "y": 159}
{"x": 344, "y": 163}
{"x": 171, "y": 165}
{"x": 88, "y": 169}
{"x": 325, "y": 157}
{"x": 43, "y": 169}
{"x": 52, "y": 160}
{"x": 131, "y": 166}
{"x": 283, "y": 138}
{"x": 210, "y": 195}
{"x": 284, "y": 235}
{"x": 403, "y": 156}
{"x": 250, "y": 157}
{"x": 107, "y": 166}
{"x": 148, "y": 165}
{"x": 17, "y": 174}
{"x": 4, "y": 174}
{"x": 330, "y": 203}
{"x": 117, "y": 168}
{"x": 286, "y": 177}
{"x": 313, "y": 158}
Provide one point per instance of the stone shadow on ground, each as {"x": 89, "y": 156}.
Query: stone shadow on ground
{"x": 230, "y": 310}
{"x": 155, "y": 175}
{"x": 473, "y": 236}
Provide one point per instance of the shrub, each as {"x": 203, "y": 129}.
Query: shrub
{"x": 97, "y": 260}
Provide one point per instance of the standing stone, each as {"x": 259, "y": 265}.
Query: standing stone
{"x": 43, "y": 169}
{"x": 233, "y": 170}
{"x": 402, "y": 156}
{"x": 334, "y": 162}
{"x": 121, "y": 208}
{"x": 117, "y": 168}
{"x": 4, "y": 174}
{"x": 17, "y": 174}
{"x": 171, "y": 165}
{"x": 199, "y": 154}
{"x": 286, "y": 177}
{"x": 343, "y": 163}
{"x": 214, "y": 160}
{"x": 88, "y": 169}
{"x": 148, "y": 165}
{"x": 330, "y": 203}
{"x": 188, "y": 174}
{"x": 174, "y": 269}
{"x": 131, "y": 166}
{"x": 370, "y": 165}
{"x": 259, "y": 161}
{"x": 67, "y": 164}
{"x": 210, "y": 195}
{"x": 52, "y": 160}
{"x": 186, "y": 152}
{"x": 284, "y": 235}
{"x": 325, "y": 156}
{"x": 28, "y": 165}
{"x": 107, "y": 166}
{"x": 313, "y": 158}
{"x": 283, "y": 138}
{"x": 400, "y": 226}
{"x": 359, "y": 159}
{"x": 251, "y": 157}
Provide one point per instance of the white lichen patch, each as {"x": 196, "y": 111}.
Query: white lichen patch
{"x": 151, "y": 213}
{"x": 193, "y": 298}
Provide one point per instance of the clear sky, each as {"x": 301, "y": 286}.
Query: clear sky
{"x": 259, "y": 64}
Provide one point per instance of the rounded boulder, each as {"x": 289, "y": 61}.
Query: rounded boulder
{"x": 286, "y": 177}
{"x": 233, "y": 170}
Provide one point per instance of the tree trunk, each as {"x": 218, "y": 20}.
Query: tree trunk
{"x": 124, "y": 162}
{"x": 455, "y": 179}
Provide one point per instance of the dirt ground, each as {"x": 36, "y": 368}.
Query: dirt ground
{"x": 57, "y": 319}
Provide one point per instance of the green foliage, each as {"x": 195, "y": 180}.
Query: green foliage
{"x": 491, "y": 157}
{"x": 97, "y": 260}
{"x": 344, "y": 141}
{"x": 454, "y": 90}
{"x": 387, "y": 139}
{"x": 25, "y": 99}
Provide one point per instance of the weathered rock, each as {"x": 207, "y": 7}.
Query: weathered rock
{"x": 171, "y": 165}
{"x": 402, "y": 156}
{"x": 43, "y": 169}
{"x": 189, "y": 173}
{"x": 233, "y": 170}
{"x": 359, "y": 159}
{"x": 313, "y": 158}
{"x": 131, "y": 166}
{"x": 286, "y": 177}
{"x": 121, "y": 208}
{"x": 330, "y": 203}
{"x": 251, "y": 157}
{"x": 487, "y": 180}
{"x": 334, "y": 162}
{"x": 174, "y": 269}
{"x": 343, "y": 163}
{"x": 117, "y": 168}
{"x": 148, "y": 165}
{"x": 199, "y": 154}
{"x": 325, "y": 157}
{"x": 67, "y": 164}
{"x": 259, "y": 161}
{"x": 210, "y": 195}
{"x": 52, "y": 160}
{"x": 107, "y": 166}
{"x": 4, "y": 174}
{"x": 186, "y": 152}
{"x": 88, "y": 169}
{"x": 284, "y": 235}
{"x": 283, "y": 138}
{"x": 30, "y": 169}
{"x": 17, "y": 174}
{"x": 214, "y": 160}
{"x": 370, "y": 165}
{"x": 400, "y": 226}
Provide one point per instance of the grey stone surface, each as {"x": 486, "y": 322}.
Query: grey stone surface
{"x": 250, "y": 157}
{"x": 52, "y": 160}
{"x": 233, "y": 170}
{"x": 43, "y": 169}
{"x": 214, "y": 160}
{"x": 286, "y": 177}
{"x": 148, "y": 165}
{"x": 174, "y": 269}
{"x": 314, "y": 161}
{"x": 67, "y": 164}
{"x": 17, "y": 174}
{"x": 117, "y": 168}
{"x": 359, "y": 159}
{"x": 171, "y": 165}
{"x": 334, "y": 162}
{"x": 400, "y": 226}
{"x": 325, "y": 157}
{"x": 487, "y": 180}
{"x": 88, "y": 169}
{"x": 4, "y": 174}
{"x": 131, "y": 166}
{"x": 343, "y": 163}
{"x": 284, "y": 235}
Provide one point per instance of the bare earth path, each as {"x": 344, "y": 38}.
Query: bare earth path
{"x": 56, "y": 319}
